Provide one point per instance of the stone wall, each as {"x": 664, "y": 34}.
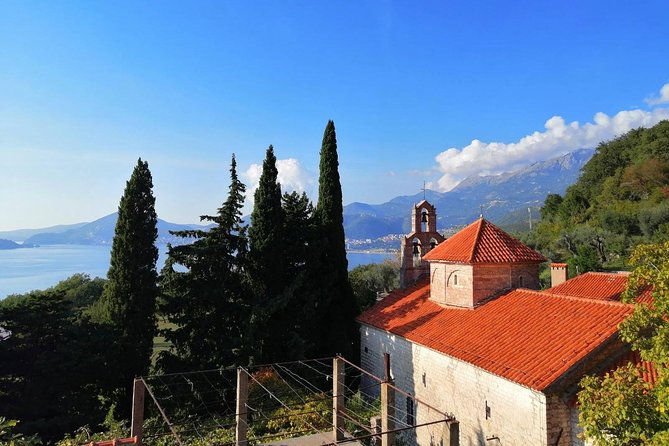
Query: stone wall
{"x": 443, "y": 287}
{"x": 464, "y": 285}
{"x": 516, "y": 415}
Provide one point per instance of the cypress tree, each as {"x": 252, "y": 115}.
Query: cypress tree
{"x": 209, "y": 301}
{"x": 267, "y": 272}
{"x": 130, "y": 293}
{"x": 335, "y": 306}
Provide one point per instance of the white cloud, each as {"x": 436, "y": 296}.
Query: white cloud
{"x": 559, "y": 137}
{"x": 663, "y": 97}
{"x": 291, "y": 175}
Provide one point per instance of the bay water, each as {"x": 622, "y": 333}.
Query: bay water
{"x": 26, "y": 269}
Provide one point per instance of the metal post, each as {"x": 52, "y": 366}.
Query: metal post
{"x": 387, "y": 405}
{"x": 338, "y": 399}
{"x": 137, "y": 424}
{"x": 242, "y": 397}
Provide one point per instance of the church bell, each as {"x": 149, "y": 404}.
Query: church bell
{"x": 415, "y": 249}
{"x": 423, "y": 217}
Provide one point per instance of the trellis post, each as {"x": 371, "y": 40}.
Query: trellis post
{"x": 338, "y": 398}
{"x": 387, "y": 405}
{"x": 241, "y": 418}
{"x": 137, "y": 424}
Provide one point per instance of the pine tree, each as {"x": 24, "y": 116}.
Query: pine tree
{"x": 267, "y": 270}
{"x": 334, "y": 305}
{"x": 130, "y": 293}
{"x": 209, "y": 301}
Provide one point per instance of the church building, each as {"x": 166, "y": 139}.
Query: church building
{"x": 469, "y": 333}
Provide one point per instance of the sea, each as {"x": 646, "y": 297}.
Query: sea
{"x": 26, "y": 269}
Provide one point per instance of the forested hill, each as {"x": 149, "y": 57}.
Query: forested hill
{"x": 620, "y": 200}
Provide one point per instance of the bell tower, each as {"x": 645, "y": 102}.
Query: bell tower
{"x": 422, "y": 239}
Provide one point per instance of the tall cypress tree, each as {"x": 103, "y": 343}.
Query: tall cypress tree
{"x": 335, "y": 306}
{"x": 267, "y": 268}
{"x": 209, "y": 301}
{"x": 130, "y": 294}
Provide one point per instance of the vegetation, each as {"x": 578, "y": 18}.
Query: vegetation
{"x": 620, "y": 201}
{"x": 370, "y": 281}
{"x": 129, "y": 297}
{"x": 333, "y": 323}
{"x": 224, "y": 299}
{"x": 208, "y": 299}
{"x": 622, "y": 409}
{"x": 55, "y": 372}
{"x": 267, "y": 269}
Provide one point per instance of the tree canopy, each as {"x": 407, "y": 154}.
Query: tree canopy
{"x": 204, "y": 292}
{"x": 620, "y": 201}
{"x": 130, "y": 293}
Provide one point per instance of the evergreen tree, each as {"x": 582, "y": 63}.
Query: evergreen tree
{"x": 267, "y": 270}
{"x": 130, "y": 293}
{"x": 208, "y": 302}
{"x": 334, "y": 305}
{"x": 298, "y": 221}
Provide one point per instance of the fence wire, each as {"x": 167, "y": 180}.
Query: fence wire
{"x": 285, "y": 400}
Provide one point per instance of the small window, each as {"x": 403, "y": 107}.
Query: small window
{"x": 487, "y": 411}
{"x": 455, "y": 279}
{"x": 411, "y": 419}
{"x": 520, "y": 281}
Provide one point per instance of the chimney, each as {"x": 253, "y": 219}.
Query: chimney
{"x": 558, "y": 273}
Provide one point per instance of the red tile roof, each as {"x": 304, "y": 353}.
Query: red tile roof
{"x": 483, "y": 242}
{"x": 525, "y": 336}
{"x": 603, "y": 286}
{"x": 647, "y": 369}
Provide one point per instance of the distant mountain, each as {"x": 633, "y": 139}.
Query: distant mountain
{"x": 498, "y": 195}
{"x": 9, "y": 244}
{"x": 101, "y": 232}
{"x": 20, "y": 235}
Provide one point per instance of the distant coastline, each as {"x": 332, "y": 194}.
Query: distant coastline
{"x": 10, "y": 244}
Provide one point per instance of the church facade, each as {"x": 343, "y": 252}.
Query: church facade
{"x": 472, "y": 336}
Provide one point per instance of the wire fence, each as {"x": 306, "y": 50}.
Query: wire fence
{"x": 284, "y": 401}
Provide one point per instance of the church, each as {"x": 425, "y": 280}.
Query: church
{"x": 469, "y": 333}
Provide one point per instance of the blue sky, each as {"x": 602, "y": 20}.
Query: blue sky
{"x": 429, "y": 91}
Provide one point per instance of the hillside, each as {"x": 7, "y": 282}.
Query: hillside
{"x": 620, "y": 200}
{"x": 101, "y": 232}
{"x": 19, "y": 235}
{"x": 500, "y": 195}
{"x": 9, "y": 244}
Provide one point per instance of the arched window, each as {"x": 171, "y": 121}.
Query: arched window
{"x": 433, "y": 243}
{"x": 417, "y": 254}
{"x": 423, "y": 220}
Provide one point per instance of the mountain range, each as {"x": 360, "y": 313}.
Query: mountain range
{"x": 101, "y": 232}
{"x": 499, "y": 197}
{"x": 503, "y": 199}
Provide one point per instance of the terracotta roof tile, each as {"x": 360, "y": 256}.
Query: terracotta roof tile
{"x": 483, "y": 242}
{"x": 596, "y": 285}
{"x": 528, "y": 337}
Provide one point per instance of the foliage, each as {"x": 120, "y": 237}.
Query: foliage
{"x": 55, "y": 366}
{"x": 267, "y": 267}
{"x": 621, "y": 408}
{"x": 333, "y": 322}
{"x": 10, "y": 438}
{"x": 112, "y": 429}
{"x": 368, "y": 281}
{"x": 130, "y": 293}
{"x": 620, "y": 199}
{"x": 618, "y": 409}
{"x": 207, "y": 298}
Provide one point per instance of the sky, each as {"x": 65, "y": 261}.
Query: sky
{"x": 419, "y": 91}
